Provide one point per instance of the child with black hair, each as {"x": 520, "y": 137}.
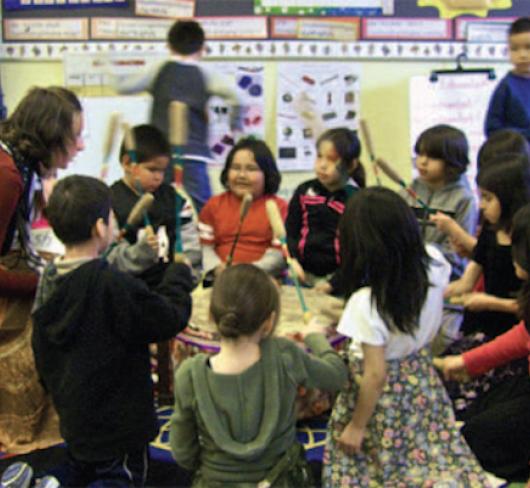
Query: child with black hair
{"x": 153, "y": 154}
{"x": 393, "y": 425}
{"x": 497, "y": 426}
{"x": 504, "y": 187}
{"x": 234, "y": 420}
{"x": 318, "y": 204}
{"x": 500, "y": 146}
{"x": 250, "y": 168}
{"x": 442, "y": 160}
{"x": 509, "y": 107}
{"x": 182, "y": 79}
{"x": 92, "y": 328}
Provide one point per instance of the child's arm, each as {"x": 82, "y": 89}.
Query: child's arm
{"x": 452, "y": 228}
{"x": 207, "y": 218}
{"x": 293, "y": 223}
{"x": 158, "y": 315}
{"x": 371, "y": 387}
{"x": 218, "y": 85}
{"x": 134, "y": 258}
{"x": 466, "y": 283}
{"x": 477, "y": 302}
{"x": 323, "y": 368}
{"x": 513, "y": 344}
{"x": 495, "y": 118}
{"x": 136, "y": 83}
{"x": 183, "y": 431}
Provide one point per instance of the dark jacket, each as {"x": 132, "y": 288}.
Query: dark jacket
{"x": 92, "y": 327}
{"x": 312, "y": 224}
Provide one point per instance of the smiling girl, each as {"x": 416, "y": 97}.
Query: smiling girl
{"x": 250, "y": 168}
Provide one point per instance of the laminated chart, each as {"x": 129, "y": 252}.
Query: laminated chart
{"x": 324, "y": 7}
{"x": 311, "y": 98}
{"x": 454, "y": 8}
{"x": 249, "y": 82}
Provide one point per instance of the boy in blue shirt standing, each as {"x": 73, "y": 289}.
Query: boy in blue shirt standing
{"x": 509, "y": 106}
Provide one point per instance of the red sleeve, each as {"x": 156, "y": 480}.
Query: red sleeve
{"x": 514, "y": 344}
{"x": 11, "y": 283}
{"x": 206, "y": 222}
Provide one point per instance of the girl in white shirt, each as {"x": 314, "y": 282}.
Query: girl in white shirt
{"x": 393, "y": 425}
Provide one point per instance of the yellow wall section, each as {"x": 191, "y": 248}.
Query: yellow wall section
{"x": 384, "y": 103}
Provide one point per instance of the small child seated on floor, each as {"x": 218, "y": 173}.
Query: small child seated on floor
{"x": 147, "y": 175}
{"x": 92, "y": 325}
{"x": 318, "y": 204}
{"x": 250, "y": 168}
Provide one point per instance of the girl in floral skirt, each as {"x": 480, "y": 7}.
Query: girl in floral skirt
{"x": 393, "y": 425}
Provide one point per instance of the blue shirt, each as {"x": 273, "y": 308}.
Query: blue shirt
{"x": 509, "y": 106}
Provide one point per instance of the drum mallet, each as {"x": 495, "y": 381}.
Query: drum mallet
{"x": 394, "y": 176}
{"x": 108, "y": 143}
{"x": 243, "y": 211}
{"x": 368, "y": 141}
{"x": 143, "y": 204}
{"x": 278, "y": 230}
{"x": 178, "y": 138}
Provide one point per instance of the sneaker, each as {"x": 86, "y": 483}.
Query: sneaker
{"x": 48, "y": 482}
{"x": 18, "y": 475}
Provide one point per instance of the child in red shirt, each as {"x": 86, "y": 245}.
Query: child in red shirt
{"x": 497, "y": 425}
{"x": 250, "y": 168}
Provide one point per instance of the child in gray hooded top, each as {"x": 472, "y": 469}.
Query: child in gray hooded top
{"x": 441, "y": 161}
{"x": 234, "y": 418}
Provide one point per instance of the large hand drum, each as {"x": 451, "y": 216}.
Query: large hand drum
{"x": 201, "y": 335}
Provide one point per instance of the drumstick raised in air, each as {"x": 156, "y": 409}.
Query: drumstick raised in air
{"x": 243, "y": 211}
{"x": 394, "y": 176}
{"x": 108, "y": 143}
{"x": 143, "y": 204}
{"x": 368, "y": 142}
{"x": 178, "y": 137}
{"x": 130, "y": 146}
{"x": 278, "y": 230}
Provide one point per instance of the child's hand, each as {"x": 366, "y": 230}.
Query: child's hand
{"x": 152, "y": 241}
{"x": 443, "y": 222}
{"x": 298, "y": 270}
{"x": 459, "y": 248}
{"x": 351, "y": 439}
{"x": 452, "y": 368}
{"x": 454, "y": 288}
{"x": 476, "y": 302}
{"x": 323, "y": 287}
{"x": 315, "y": 326}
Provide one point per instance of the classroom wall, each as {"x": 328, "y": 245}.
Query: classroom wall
{"x": 384, "y": 104}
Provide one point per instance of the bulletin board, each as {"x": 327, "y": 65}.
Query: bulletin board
{"x": 249, "y": 29}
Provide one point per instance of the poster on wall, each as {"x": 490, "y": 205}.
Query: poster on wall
{"x": 313, "y": 97}
{"x": 459, "y": 100}
{"x": 249, "y": 83}
{"x": 40, "y": 4}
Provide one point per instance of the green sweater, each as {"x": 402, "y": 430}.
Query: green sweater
{"x": 234, "y": 428}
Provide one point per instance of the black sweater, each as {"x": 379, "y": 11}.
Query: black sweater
{"x": 312, "y": 226}
{"x": 92, "y": 327}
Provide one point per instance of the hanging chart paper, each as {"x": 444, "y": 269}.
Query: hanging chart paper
{"x": 311, "y": 98}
